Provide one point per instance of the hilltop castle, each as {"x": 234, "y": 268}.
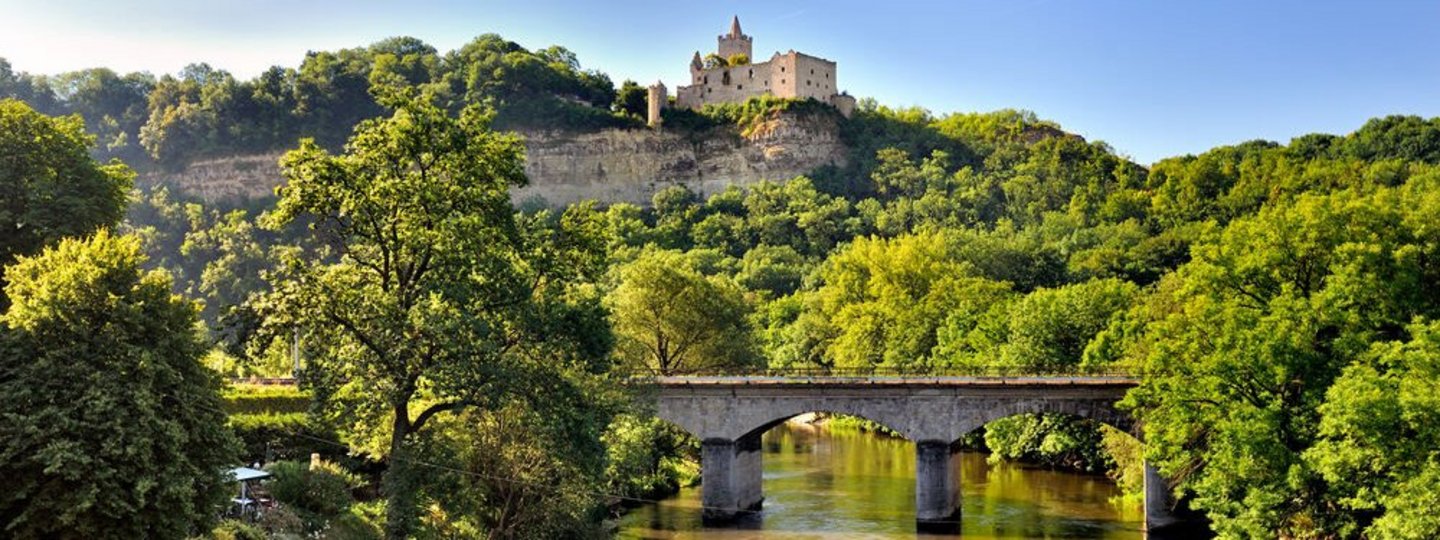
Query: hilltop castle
{"x": 732, "y": 78}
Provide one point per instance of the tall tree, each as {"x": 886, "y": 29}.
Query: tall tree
{"x": 669, "y": 318}
{"x": 110, "y": 427}
{"x": 50, "y": 188}
{"x": 433, "y": 298}
{"x": 1244, "y": 350}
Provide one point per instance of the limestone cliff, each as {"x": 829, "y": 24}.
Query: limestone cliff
{"x": 609, "y": 166}
{"x": 226, "y": 179}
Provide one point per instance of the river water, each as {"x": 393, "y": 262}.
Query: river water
{"x": 823, "y": 483}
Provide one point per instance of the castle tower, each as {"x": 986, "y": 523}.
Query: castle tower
{"x": 658, "y": 97}
{"x": 736, "y": 42}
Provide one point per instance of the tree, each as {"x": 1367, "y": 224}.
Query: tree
{"x": 713, "y": 61}
{"x": 234, "y": 259}
{"x": 886, "y": 299}
{"x": 435, "y": 299}
{"x": 519, "y": 475}
{"x": 669, "y": 318}
{"x": 50, "y": 188}
{"x": 111, "y": 427}
{"x": 1265, "y": 318}
{"x": 1379, "y": 430}
{"x": 633, "y": 99}
{"x": 1050, "y": 328}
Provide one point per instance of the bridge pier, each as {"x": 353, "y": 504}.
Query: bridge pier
{"x": 1166, "y": 517}
{"x": 937, "y": 486}
{"x": 730, "y": 477}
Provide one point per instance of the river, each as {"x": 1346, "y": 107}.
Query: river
{"x": 823, "y": 483}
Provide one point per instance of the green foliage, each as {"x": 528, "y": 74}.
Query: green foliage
{"x": 217, "y": 254}
{"x": 236, "y": 530}
{"x": 884, "y": 299}
{"x": 776, "y": 270}
{"x": 1128, "y": 454}
{"x": 1266, "y": 317}
{"x": 1404, "y": 137}
{"x": 273, "y": 423}
{"x": 713, "y": 61}
{"x": 647, "y": 458}
{"x": 316, "y": 495}
{"x": 438, "y": 299}
{"x": 1378, "y": 437}
{"x": 111, "y": 426}
{"x": 206, "y": 112}
{"x": 632, "y": 99}
{"x": 50, "y": 186}
{"x": 1048, "y": 439}
{"x": 1051, "y": 327}
{"x": 515, "y": 474}
{"x": 261, "y": 398}
{"x": 269, "y": 436}
{"x": 670, "y": 318}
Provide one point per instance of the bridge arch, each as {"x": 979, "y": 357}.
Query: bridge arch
{"x": 1102, "y": 412}
{"x": 767, "y": 426}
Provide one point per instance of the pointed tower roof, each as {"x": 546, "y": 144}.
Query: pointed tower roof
{"x": 696, "y": 62}
{"x": 735, "y": 27}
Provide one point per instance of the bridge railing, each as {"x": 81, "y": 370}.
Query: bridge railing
{"x": 981, "y": 371}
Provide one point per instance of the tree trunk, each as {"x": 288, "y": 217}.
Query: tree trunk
{"x": 400, "y": 485}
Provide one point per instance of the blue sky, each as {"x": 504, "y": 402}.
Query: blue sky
{"x": 1153, "y": 78}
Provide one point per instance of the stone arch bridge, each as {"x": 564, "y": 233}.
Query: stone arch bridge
{"x": 729, "y": 413}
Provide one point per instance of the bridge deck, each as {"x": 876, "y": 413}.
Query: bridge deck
{"x": 899, "y": 380}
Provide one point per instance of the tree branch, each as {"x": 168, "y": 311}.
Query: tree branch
{"x": 436, "y": 409}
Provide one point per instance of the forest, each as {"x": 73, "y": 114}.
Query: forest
{"x": 461, "y": 361}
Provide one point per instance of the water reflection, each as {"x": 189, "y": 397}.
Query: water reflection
{"x": 842, "y": 484}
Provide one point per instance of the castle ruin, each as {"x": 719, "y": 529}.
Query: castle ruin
{"x": 733, "y": 78}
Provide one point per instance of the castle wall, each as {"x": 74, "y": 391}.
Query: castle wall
{"x": 729, "y": 84}
{"x": 813, "y": 77}
{"x": 690, "y": 97}
{"x": 790, "y": 75}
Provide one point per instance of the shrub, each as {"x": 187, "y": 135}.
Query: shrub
{"x": 648, "y": 458}
{"x": 315, "y": 495}
{"x": 255, "y": 398}
{"x": 236, "y": 530}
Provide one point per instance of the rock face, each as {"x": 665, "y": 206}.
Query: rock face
{"x": 608, "y": 166}
{"x": 225, "y": 179}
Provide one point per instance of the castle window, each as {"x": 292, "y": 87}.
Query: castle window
{"x": 807, "y": 83}
{"x": 752, "y": 73}
{"x": 782, "y": 69}
{"x": 707, "y": 79}
{"x": 739, "y": 87}
{"x": 812, "y": 72}
{"x": 725, "y": 78}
